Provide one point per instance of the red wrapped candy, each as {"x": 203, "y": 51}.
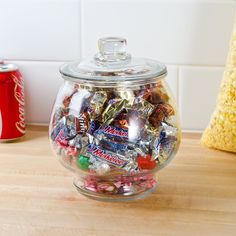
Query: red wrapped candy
{"x": 146, "y": 162}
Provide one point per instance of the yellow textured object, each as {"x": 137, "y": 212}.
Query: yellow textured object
{"x": 221, "y": 132}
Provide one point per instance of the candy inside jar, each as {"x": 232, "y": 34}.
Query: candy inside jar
{"x": 114, "y": 123}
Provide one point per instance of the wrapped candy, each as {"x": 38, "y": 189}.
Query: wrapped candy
{"x": 83, "y": 162}
{"x": 160, "y": 113}
{"x": 95, "y": 107}
{"x": 100, "y": 167}
{"x": 113, "y": 109}
{"x": 93, "y": 126}
{"x": 59, "y": 113}
{"x": 164, "y": 144}
{"x": 146, "y": 162}
{"x": 107, "y": 156}
{"x": 111, "y": 132}
{"x": 143, "y": 107}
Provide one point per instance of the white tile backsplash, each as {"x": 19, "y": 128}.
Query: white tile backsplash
{"x": 198, "y": 89}
{"x": 40, "y": 29}
{"x": 42, "y": 81}
{"x": 190, "y": 36}
{"x": 175, "y": 32}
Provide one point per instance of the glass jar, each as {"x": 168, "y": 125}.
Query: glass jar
{"x": 114, "y": 123}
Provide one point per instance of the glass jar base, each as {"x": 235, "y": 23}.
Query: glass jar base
{"x": 108, "y": 191}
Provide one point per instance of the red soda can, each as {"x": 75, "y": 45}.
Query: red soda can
{"x": 12, "y": 103}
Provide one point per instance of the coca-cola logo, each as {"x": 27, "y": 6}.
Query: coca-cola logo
{"x": 19, "y": 96}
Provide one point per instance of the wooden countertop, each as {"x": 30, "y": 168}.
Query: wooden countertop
{"x": 196, "y": 195}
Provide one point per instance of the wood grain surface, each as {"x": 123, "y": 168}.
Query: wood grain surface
{"x": 196, "y": 195}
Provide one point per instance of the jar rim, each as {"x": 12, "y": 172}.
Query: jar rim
{"x": 113, "y": 84}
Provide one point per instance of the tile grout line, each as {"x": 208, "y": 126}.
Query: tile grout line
{"x": 177, "y": 96}
{"x": 178, "y": 93}
{"x": 81, "y": 29}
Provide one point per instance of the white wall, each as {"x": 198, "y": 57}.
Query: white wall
{"x": 190, "y": 36}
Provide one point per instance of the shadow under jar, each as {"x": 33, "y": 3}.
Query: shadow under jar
{"x": 114, "y": 123}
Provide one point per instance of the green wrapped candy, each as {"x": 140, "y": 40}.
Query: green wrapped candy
{"x": 83, "y": 162}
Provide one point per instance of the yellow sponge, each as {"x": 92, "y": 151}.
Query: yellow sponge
{"x": 221, "y": 132}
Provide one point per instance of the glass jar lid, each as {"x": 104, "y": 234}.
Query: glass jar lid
{"x": 113, "y": 65}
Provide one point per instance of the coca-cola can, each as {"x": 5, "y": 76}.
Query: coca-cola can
{"x": 12, "y": 103}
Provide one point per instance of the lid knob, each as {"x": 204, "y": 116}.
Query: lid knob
{"x": 112, "y": 50}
